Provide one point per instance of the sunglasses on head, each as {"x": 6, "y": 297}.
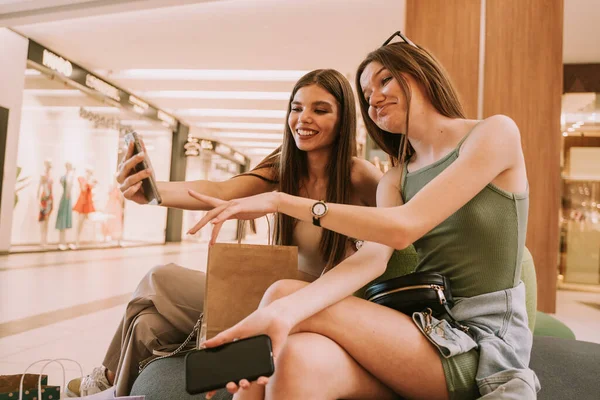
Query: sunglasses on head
{"x": 401, "y": 36}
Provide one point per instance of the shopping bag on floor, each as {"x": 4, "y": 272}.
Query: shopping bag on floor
{"x": 9, "y": 387}
{"x": 237, "y": 276}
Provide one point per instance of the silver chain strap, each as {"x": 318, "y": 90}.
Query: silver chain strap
{"x": 195, "y": 331}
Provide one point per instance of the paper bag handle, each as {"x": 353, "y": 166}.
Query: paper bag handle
{"x": 243, "y": 224}
{"x": 47, "y": 361}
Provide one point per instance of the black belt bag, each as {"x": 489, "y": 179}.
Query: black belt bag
{"x": 416, "y": 292}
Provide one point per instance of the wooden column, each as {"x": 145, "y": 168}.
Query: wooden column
{"x": 523, "y": 79}
{"x": 450, "y": 31}
{"x": 521, "y": 49}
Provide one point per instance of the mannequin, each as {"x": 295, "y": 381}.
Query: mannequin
{"x": 64, "y": 218}
{"x": 113, "y": 226}
{"x": 85, "y": 202}
{"x": 44, "y": 194}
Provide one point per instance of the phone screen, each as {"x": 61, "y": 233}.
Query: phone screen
{"x": 211, "y": 369}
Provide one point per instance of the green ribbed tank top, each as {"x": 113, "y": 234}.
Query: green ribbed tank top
{"x": 480, "y": 246}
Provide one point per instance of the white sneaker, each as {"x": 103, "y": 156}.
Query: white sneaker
{"x": 93, "y": 383}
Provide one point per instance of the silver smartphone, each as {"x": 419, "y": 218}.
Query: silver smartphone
{"x": 148, "y": 184}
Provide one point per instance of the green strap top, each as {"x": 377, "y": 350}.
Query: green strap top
{"x": 480, "y": 246}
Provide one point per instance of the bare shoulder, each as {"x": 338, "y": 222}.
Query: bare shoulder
{"x": 392, "y": 177}
{"x": 389, "y": 188}
{"x": 496, "y": 134}
{"x": 364, "y": 173}
{"x": 365, "y": 177}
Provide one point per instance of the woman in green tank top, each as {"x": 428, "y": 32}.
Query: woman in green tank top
{"x": 458, "y": 192}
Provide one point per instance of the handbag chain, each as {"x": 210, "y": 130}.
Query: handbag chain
{"x": 194, "y": 332}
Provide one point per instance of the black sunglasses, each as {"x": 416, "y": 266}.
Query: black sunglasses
{"x": 399, "y": 34}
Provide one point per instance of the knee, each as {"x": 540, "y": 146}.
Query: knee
{"x": 301, "y": 362}
{"x": 280, "y": 289}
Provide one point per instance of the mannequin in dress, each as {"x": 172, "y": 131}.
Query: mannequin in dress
{"x": 64, "y": 218}
{"x": 44, "y": 194}
{"x": 112, "y": 228}
{"x": 85, "y": 202}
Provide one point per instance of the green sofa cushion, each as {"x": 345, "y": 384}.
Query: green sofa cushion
{"x": 550, "y": 326}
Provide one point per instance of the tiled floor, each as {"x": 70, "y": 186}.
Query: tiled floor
{"x": 85, "y": 291}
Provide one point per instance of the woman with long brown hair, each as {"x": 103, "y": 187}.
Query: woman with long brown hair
{"x": 459, "y": 193}
{"x": 317, "y": 160}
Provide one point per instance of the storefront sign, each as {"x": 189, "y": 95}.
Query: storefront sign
{"x": 194, "y": 146}
{"x": 71, "y": 72}
{"x": 98, "y": 84}
{"x": 102, "y": 121}
{"x": 57, "y": 63}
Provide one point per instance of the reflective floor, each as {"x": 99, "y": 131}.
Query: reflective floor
{"x": 68, "y": 304}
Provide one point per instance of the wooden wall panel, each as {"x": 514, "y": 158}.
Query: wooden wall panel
{"x": 523, "y": 79}
{"x": 450, "y": 31}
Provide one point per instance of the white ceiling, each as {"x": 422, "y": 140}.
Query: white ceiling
{"x": 282, "y": 35}
{"x": 128, "y": 40}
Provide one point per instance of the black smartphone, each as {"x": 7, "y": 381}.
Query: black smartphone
{"x": 211, "y": 369}
{"x": 148, "y": 184}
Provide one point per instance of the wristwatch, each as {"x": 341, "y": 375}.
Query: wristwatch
{"x": 318, "y": 211}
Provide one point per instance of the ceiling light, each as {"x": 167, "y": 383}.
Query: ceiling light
{"x": 258, "y": 152}
{"x": 205, "y": 74}
{"x": 214, "y": 95}
{"x": 565, "y": 134}
{"x": 100, "y": 110}
{"x": 55, "y": 93}
{"x": 571, "y": 130}
{"x": 271, "y": 145}
{"x": 216, "y": 112}
{"x": 32, "y": 72}
{"x": 241, "y": 125}
{"x": 248, "y": 135}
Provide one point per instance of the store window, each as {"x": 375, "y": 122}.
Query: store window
{"x": 580, "y": 211}
{"x": 214, "y": 161}
{"x": 70, "y": 144}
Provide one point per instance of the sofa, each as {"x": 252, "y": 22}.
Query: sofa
{"x": 568, "y": 369}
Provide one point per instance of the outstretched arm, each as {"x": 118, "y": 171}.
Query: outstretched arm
{"x": 493, "y": 148}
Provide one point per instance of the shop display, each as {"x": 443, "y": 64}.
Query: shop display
{"x": 44, "y": 195}
{"x": 64, "y": 218}
{"x": 85, "y": 202}
{"x": 112, "y": 228}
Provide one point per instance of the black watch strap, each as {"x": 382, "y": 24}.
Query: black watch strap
{"x": 316, "y": 221}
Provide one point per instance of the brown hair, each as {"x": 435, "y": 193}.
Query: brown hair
{"x": 290, "y": 163}
{"x": 399, "y": 58}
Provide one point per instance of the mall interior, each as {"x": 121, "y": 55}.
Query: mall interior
{"x": 206, "y": 84}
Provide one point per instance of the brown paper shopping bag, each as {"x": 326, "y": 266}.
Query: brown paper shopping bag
{"x": 237, "y": 276}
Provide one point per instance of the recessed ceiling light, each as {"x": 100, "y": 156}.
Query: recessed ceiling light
{"x": 55, "y": 93}
{"x": 205, "y": 74}
{"x": 248, "y": 135}
{"x": 565, "y": 134}
{"x": 271, "y": 145}
{"x": 224, "y": 112}
{"x": 214, "y": 95}
{"x": 241, "y": 125}
{"x": 258, "y": 152}
{"x": 571, "y": 130}
{"x": 32, "y": 72}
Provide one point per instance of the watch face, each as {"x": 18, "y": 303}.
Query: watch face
{"x": 319, "y": 209}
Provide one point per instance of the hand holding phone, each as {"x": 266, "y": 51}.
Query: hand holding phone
{"x": 140, "y": 167}
{"x": 214, "y": 368}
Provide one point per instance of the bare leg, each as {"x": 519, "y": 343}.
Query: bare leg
{"x": 312, "y": 366}
{"x": 81, "y": 221}
{"x": 384, "y": 342}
